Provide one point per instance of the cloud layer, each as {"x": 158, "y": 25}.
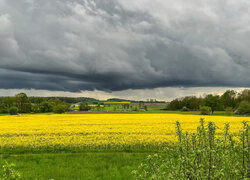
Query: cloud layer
{"x": 74, "y": 45}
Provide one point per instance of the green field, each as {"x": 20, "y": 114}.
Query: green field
{"x": 90, "y": 166}
{"x": 156, "y": 108}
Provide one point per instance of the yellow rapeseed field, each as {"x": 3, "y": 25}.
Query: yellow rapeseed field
{"x": 100, "y": 130}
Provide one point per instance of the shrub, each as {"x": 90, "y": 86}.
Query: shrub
{"x": 84, "y": 107}
{"x": 45, "y": 106}
{"x": 244, "y": 107}
{"x": 205, "y": 110}
{"x": 9, "y": 172}
{"x": 229, "y": 111}
{"x": 59, "y": 109}
{"x": 13, "y": 111}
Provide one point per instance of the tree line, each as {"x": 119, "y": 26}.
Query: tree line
{"x": 21, "y": 103}
{"x": 70, "y": 100}
{"x": 230, "y": 101}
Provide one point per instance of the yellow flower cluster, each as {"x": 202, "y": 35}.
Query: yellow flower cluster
{"x": 100, "y": 130}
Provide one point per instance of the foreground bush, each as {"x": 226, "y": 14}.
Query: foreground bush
{"x": 201, "y": 155}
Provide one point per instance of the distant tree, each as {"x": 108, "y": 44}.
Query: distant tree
{"x": 194, "y": 103}
{"x": 174, "y": 105}
{"x": 244, "y": 107}
{"x": 45, "y": 106}
{"x": 185, "y": 102}
{"x": 84, "y": 107}
{"x": 57, "y": 102}
{"x": 244, "y": 95}
{"x": 39, "y": 100}
{"x": 35, "y": 108}
{"x": 228, "y": 99}
{"x": 213, "y": 101}
{"x": 6, "y": 103}
{"x": 60, "y": 109}
{"x": 13, "y": 110}
{"x": 190, "y": 102}
{"x": 23, "y": 103}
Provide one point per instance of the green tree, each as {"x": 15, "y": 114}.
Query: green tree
{"x": 57, "y": 102}
{"x": 244, "y": 107}
{"x": 190, "y": 102}
{"x": 45, "y": 106}
{"x": 194, "y": 103}
{"x": 228, "y": 99}
{"x": 84, "y": 107}
{"x": 59, "y": 106}
{"x": 35, "y": 108}
{"x": 244, "y": 95}
{"x": 6, "y": 104}
{"x": 174, "y": 105}
{"x": 23, "y": 103}
{"x": 39, "y": 100}
{"x": 60, "y": 109}
{"x": 213, "y": 101}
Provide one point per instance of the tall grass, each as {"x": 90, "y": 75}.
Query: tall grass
{"x": 201, "y": 155}
{"x": 8, "y": 172}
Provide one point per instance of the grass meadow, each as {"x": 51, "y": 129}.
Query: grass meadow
{"x": 88, "y": 165}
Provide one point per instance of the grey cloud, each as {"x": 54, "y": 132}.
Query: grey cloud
{"x": 74, "y": 45}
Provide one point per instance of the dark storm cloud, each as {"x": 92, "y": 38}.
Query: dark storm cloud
{"x": 74, "y": 45}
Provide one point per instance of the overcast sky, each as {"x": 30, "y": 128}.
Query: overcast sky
{"x": 121, "y": 48}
